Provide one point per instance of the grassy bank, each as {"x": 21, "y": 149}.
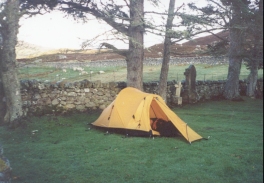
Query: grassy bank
{"x": 65, "y": 149}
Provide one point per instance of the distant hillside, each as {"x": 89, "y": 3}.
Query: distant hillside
{"x": 188, "y": 49}
{"x": 191, "y": 48}
{"x": 27, "y": 50}
{"x": 207, "y": 39}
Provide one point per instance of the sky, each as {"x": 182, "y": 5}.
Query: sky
{"x": 55, "y": 31}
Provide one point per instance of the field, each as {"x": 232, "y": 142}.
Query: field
{"x": 68, "y": 149}
{"x": 151, "y": 73}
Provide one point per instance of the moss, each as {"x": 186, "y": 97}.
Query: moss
{"x": 3, "y": 165}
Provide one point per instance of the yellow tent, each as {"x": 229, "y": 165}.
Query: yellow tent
{"x": 132, "y": 109}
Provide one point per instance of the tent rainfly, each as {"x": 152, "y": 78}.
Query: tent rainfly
{"x": 132, "y": 109}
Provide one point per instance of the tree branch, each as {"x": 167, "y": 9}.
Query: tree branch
{"x": 75, "y": 7}
{"x": 122, "y": 52}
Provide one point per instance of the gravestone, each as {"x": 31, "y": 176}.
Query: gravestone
{"x": 190, "y": 84}
{"x": 178, "y": 97}
{"x": 5, "y": 169}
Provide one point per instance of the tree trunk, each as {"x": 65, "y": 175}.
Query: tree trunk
{"x": 2, "y": 103}
{"x": 136, "y": 45}
{"x": 166, "y": 53}
{"x": 231, "y": 90}
{"x": 252, "y": 82}
{"x": 254, "y": 63}
{"x": 10, "y": 80}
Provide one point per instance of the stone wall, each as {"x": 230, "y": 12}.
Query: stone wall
{"x": 148, "y": 61}
{"x": 44, "y": 97}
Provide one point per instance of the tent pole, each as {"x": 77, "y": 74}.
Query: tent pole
{"x": 187, "y": 133}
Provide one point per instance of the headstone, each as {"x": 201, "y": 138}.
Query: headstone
{"x": 178, "y": 93}
{"x": 190, "y": 85}
{"x": 178, "y": 89}
{"x": 5, "y": 169}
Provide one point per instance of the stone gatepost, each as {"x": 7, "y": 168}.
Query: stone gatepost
{"x": 190, "y": 93}
{"x": 5, "y": 169}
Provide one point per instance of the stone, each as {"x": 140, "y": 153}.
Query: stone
{"x": 81, "y": 94}
{"x": 63, "y": 98}
{"x": 52, "y": 96}
{"x": 112, "y": 84}
{"x": 97, "y": 84}
{"x": 36, "y": 96}
{"x": 90, "y": 104}
{"x": 80, "y": 107}
{"x": 178, "y": 89}
{"x": 69, "y": 85}
{"x": 102, "y": 107}
{"x": 44, "y": 95}
{"x": 5, "y": 169}
{"x": 77, "y": 102}
{"x": 41, "y": 86}
{"x": 55, "y": 102}
{"x": 190, "y": 85}
{"x": 88, "y": 95}
{"x": 72, "y": 94}
{"x": 87, "y": 100}
{"x": 178, "y": 97}
{"x": 26, "y": 103}
{"x": 100, "y": 93}
{"x": 70, "y": 106}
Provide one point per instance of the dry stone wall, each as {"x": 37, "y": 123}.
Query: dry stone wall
{"x": 120, "y": 62}
{"x": 61, "y": 97}
{"x": 44, "y": 97}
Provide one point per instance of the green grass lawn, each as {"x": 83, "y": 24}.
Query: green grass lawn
{"x": 65, "y": 150}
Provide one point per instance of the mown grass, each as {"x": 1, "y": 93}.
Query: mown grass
{"x": 66, "y": 150}
{"x": 151, "y": 73}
